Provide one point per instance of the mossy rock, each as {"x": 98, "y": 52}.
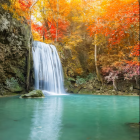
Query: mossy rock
{"x": 68, "y": 86}
{"x": 67, "y": 83}
{"x": 33, "y": 94}
{"x": 85, "y": 91}
{"x": 16, "y": 90}
{"x": 76, "y": 89}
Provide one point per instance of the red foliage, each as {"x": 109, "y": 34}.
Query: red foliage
{"x": 51, "y": 32}
{"x": 126, "y": 70}
{"x": 25, "y": 4}
{"x": 136, "y": 50}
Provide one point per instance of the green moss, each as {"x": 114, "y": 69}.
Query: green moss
{"x": 33, "y": 94}
{"x": 67, "y": 83}
{"x": 19, "y": 74}
{"x": 80, "y": 80}
{"x": 13, "y": 85}
{"x": 76, "y": 90}
{"x": 71, "y": 79}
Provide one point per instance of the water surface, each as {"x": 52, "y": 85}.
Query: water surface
{"x": 73, "y": 117}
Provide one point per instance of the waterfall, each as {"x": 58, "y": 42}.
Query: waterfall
{"x": 48, "y": 71}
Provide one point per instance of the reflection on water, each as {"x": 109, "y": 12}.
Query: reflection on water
{"x": 46, "y": 123}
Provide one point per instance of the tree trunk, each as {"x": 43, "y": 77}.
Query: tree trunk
{"x": 56, "y": 39}
{"x": 28, "y": 66}
{"x": 99, "y": 77}
{"x": 115, "y": 84}
{"x": 29, "y": 56}
{"x": 137, "y": 78}
{"x": 29, "y": 50}
{"x": 43, "y": 36}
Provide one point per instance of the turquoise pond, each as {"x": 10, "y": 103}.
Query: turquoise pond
{"x": 72, "y": 117}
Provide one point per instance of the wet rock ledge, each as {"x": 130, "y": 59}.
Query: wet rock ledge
{"x": 33, "y": 94}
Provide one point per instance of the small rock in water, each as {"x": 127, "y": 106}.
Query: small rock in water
{"x": 134, "y": 125}
{"x": 33, "y": 94}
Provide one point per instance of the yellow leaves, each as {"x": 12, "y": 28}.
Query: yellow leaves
{"x": 48, "y": 41}
{"x": 76, "y": 3}
{"x": 67, "y": 47}
{"x": 50, "y": 8}
{"x": 36, "y": 36}
{"x": 135, "y": 59}
{"x": 78, "y": 71}
{"x": 5, "y": 6}
{"x": 74, "y": 57}
{"x": 78, "y": 19}
{"x": 11, "y": 10}
{"x": 15, "y": 9}
{"x": 127, "y": 1}
{"x": 121, "y": 54}
{"x": 73, "y": 40}
{"x": 99, "y": 40}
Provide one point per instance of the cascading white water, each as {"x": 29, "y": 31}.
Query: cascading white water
{"x": 47, "y": 68}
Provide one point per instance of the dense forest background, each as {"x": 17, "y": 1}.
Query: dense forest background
{"x": 97, "y": 40}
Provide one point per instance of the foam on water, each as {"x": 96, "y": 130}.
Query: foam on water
{"x": 45, "y": 92}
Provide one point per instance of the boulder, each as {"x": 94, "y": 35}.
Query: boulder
{"x": 33, "y": 94}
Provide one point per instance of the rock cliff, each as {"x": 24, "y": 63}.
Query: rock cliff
{"x": 13, "y": 52}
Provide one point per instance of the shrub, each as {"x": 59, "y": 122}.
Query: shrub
{"x": 70, "y": 79}
{"x": 126, "y": 71}
{"x": 91, "y": 76}
{"x": 12, "y": 83}
{"x": 80, "y": 80}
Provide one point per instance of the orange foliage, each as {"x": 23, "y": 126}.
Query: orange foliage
{"x": 117, "y": 21}
{"x": 78, "y": 71}
{"x": 114, "y": 22}
{"x": 19, "y": 8}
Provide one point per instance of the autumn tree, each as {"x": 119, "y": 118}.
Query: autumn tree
{"x": 51, "y": 23}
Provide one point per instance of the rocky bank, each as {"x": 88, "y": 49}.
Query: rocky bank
{"x": 13, "y": 52}
{"x": 96, "y": 88}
